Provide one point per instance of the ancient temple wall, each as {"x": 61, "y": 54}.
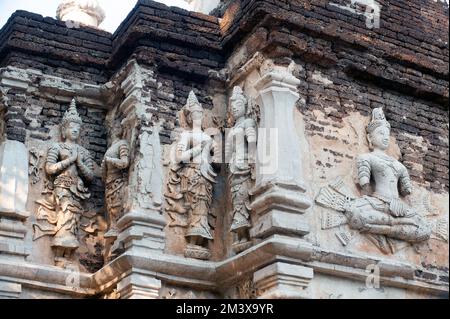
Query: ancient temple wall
{"x": 34, "y": 117}
{"x": 321, "y": 60}
{"x": 340, "y": 85}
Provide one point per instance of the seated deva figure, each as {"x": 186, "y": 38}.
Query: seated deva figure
{"x": 382, "y": 214}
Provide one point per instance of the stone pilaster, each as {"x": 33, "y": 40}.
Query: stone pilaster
{"x": 283, "y": 281}
{"x": 279, "y": 196}
{"x": 139, "y": 286}
{"x": 141, "y": 227}
{"x": 13, "y": 199}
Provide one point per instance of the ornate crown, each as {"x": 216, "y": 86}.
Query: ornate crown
{"x": 192, "y": 103}
{"x": 378, "y": 119}
{"x": 71, "y": 115}
{"x": 238, "y": 95}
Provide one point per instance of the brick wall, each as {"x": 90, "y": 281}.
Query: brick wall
{"x": 402, "y": 66}
{"x": 29, "y": 40}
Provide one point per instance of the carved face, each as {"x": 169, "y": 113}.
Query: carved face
{"x": 379, "y": 138}
{"x": 197, "y": 117}
{"x": 237, "y": 109}
{"x": 71, "y": 131}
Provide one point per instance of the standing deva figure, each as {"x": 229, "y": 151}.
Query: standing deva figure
{"x": 69, "y": 167}
{"x": 241, "y": 146}
{"x": 192, "y": 179}
{"x": 381, "y": 214}
{"x": 114, "y": 172}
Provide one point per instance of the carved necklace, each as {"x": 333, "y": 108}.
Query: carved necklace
{"x": 389, "y": 162}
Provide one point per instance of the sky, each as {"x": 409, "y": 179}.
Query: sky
{"x": 116, "y": 10}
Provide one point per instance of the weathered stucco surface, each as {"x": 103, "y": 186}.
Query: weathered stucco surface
{"x": 171, "y": 85}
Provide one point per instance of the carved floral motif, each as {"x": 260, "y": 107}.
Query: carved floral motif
{"x": 35, "y": 163}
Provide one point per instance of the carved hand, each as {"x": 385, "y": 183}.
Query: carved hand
{"x": 79, "y": 159}
{"x": 74, "y": 156}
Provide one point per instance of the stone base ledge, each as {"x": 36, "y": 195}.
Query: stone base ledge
{"x": 216, "y": 276}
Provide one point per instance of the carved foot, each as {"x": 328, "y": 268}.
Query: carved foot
{"x": 197, "y": 252}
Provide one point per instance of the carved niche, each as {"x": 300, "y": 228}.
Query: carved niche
{"x": 191, "y": 180}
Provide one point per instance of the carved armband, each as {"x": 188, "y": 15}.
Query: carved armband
{"x": 52, "y": 166}
{"x": 405, "y": 183}
{"x": 250, "y": 132}
{"x": 123, "y": 160}
{"x": 364, "y": 171}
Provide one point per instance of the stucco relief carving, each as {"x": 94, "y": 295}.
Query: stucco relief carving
{"x": 69, "y": 168}
{"x": 382, "y": 215}
{"x": 191, "y": 181}
{"x": 148, "y": 168}
{"x": 114, "y": 173}
{"x": 241, "y": 147}
{"x": 35, "y": 162}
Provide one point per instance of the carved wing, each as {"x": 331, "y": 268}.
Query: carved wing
{"x": 335, "y": 196}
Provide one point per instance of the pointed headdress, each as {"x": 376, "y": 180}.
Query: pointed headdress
{"x": 71, "y": 115}
{"x": 192, "y": 103}
{"x": 238, "y": 95}
{"x": 378, "y": 120}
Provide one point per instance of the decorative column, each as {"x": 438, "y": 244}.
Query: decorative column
{"x": 279, "y": 196}
{"x": 13, "y": 175}
{"x": 142, "y": 226}
{"x": 283, "y": 281}
{"x": 13, "y": 200}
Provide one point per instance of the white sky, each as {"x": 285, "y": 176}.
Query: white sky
{"x": 116, "y": 10}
